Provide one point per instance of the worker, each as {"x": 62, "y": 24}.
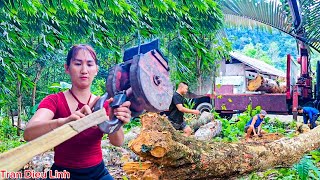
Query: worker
{"x": 309, "y": 113}
{"x": 253, "y": 127}
{"x": 176, "y": 110}
{"x": 81, "y": 156}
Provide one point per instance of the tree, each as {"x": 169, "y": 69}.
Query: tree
{"x": 257, "y": 52}
{"x": 174, "y": 156}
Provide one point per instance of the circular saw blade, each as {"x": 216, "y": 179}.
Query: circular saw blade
{"x": 150, "y": 82}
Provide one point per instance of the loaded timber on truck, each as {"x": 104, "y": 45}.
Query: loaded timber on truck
{"x": 243, "y": 80}
{"x": 299, "y": 89}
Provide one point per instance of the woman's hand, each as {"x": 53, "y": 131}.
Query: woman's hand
{"x": 123, "y": 112}
{"x": 84, "y": 111}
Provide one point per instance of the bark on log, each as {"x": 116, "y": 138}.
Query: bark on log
{"x": 267, "y": 85}
{"x": 254, "y": 84}
{"x": 204, "y": 118}
{"x": 283, "y": 87}
{"x": 208, "y": 131}
{"x": 178, "y": 157}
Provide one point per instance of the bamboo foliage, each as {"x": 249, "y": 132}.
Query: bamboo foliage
{"x": 31, "y": 29}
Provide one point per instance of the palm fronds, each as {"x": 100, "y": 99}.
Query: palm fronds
{"x": 311, "y": 22}
{"x": 273, "y": 13}
{"x": 257, "y": 13}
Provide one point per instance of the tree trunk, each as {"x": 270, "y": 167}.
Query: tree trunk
{"x": 265, "y": 84}
{"x": 208, "y": 131}
{"x": 269, "y": 86}
{"x": 204, "y": 118}
{"x": 199, "y": 77}
{"x": 36, "y": 79}
{"x": 254, "y": 84}
{"x": 213, "y": 87}
{"x": 177, "y": 157}
{"x": 19, "y": 95}
{"x": 11, "y": 115}
{"x": 283, "y": 87}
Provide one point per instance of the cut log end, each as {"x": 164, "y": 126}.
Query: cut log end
{"x": 254, "y": 84}
{"x": 136, "y": 170}
{"x": 158, "y": 151}
{"x": 266, "y": 85}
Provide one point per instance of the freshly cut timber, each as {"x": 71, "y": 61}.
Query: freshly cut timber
{"x": 177, "y": 157}
{"x": 266, "y": 85}
{"x": 208, "y": 131}
{"x": 204, "y": 118}
{"x": 283, "y": 87}
{"x": 269, "y": 86}
{"x": 254, "y": 84}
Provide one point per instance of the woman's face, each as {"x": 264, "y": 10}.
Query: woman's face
{"x": 82, "y": 69}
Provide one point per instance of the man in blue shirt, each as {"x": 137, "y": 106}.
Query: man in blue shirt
{"x": 309, "y": 113}
{"x": 254, "y": 125}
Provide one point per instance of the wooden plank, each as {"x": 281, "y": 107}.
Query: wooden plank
{"x": 16, "y": 158}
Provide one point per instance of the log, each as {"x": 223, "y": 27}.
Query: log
{"x": 208, "y": 131}
{"x": 177, "y": 157}
{"x": 138, "y": 169}
{"x": 204, "y": 118}
{"x": 269, "y": 86}
{"x": 266, "y": 85}
{"x": 254, "y": 84}
{"x": 302, "y": 128}
{"x": 283, "y": 87}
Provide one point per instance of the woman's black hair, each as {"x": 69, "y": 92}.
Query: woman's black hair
{"x": 76, "y": 48}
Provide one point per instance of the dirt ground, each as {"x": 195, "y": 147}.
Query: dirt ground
{"x": 266, "y": 138}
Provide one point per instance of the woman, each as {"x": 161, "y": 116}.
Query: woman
{"x": 81, "y": 155}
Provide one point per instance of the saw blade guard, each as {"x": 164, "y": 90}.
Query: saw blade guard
{"x": 146, "y": 79}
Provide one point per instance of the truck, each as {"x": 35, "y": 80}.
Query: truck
{"x": 231, "y": 92}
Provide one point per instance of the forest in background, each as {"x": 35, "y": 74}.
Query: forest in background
{"x": 271, "y": 47}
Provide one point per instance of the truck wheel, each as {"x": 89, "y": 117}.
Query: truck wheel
{"x": 204, "y": 107}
